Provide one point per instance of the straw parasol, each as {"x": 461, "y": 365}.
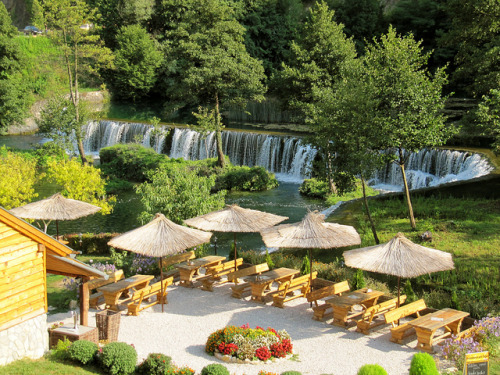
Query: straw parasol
{"x": 234, "y": 218}
{"x": 311, "y": 233}
{"x": 55, "y": 207}
{"x": 160, "y": 237}
{"x": 399, "y": 257}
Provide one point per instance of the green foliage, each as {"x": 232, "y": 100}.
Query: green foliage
{"x": 214, "y": 369}
{"x": 246, "y": 179}
{"x": 60, "y": 352}
{"x": 372, "y": 370}
{"x": 305, "y": 268}
{"x": 314, "y": 188}
{"x": 119, "y": 358}
{"x": 179, "y": 193}
{"x": 129, "y": 161}
{"x": 83, "y": 351}
{"x": 408, "y": 291}
{"x": 488, "y": 115}
{"x": 136, "y": 59}
{"x": 423, "y": 364}
{"x": 81, "y": 182}
{"x": 155, "y": 364}
{"x": 291, "y": 373}
{"x": 232, "y": 252}
{"x": 90, "y": 243}
{"x": 269, "y": 260}
{"x": 355, "y": 194}
{"x": 358, "y": 280}
{"x": 19, "y": 176}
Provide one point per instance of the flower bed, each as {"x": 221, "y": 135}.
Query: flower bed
{"x": 249, "y": 344}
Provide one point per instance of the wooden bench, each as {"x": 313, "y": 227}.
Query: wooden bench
{"x": 175, "y": 259}
{"x": 320, "y": 310}
{"x": 96, "y": 299}
{"x": 239, "y": 290}
{"x": 368, "y": 319}
{"x": 286, "y": 291}
{"x": 215, "y": 273}
{"x": 135, "y": 305}
{"x": 399, "y": 332}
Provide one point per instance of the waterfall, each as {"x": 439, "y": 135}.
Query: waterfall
{"x": 286, "y": 156}
{"x": 428, "y": 168}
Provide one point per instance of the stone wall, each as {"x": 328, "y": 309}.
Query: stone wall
{"x": 28, "y": 339}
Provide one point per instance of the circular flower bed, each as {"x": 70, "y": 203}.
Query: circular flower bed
{"x": 253, "y": 344}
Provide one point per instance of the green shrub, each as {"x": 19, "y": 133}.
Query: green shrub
{"x": 314, "y": 188}
{"x": 91, "y": 243}
{"x": 423, "y": 364}
{"x": 358, "y": 281}
{"x": 291, "y": 373}
{"x": 246, "y": 179}
{"x": 83, "y": 351}
{"x": 60, "y": 352}
{"x": 155, "y": 364}
{"x": 119, "y": 358}
{"x": 305, "y": 268}
{"x": 408, "y": 291}
{"x": 215, "y": 369}
{"x": 372, "y": 370}
{"x": 269, "y": 260}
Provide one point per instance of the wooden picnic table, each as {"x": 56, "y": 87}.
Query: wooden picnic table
{"x": 261, "y": 284}
{"x": 189, "y": 269}
{"x": 427, "y": 325}
{"x": 343, "y": 305}
{"x": 113, "y": 292}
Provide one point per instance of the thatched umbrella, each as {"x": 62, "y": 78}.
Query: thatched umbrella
{"x": 234, "y": 218}
{"x": 311, "y": 233}
{"x": 55, "y": 207}
{"x": 399, "y": 257}
{"x": 160, "y": 237}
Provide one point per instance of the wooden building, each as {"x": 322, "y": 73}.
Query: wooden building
{"x": 26, "y": 256}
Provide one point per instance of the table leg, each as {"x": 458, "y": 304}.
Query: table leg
{"x": 425, "y": 339}
{"x": 186, "y": 278}
{"x": 340, "y": 316}
{"x": 455, "y": 326}
{"x": 111, "y": 300}
{"x": 258, "y": 292}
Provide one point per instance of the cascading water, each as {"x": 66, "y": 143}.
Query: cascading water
{"x": 428, "y": 168}
{"x": 286, "y": 156}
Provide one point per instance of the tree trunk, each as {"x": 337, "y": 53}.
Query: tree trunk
{"x": 374, "y": 231}
{"x": 407, "y": 190}
{"x": 331, "y": 184}
{"x": 221, "y": 161}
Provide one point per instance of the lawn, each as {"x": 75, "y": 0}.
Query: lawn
{"x": 45, "y": 367}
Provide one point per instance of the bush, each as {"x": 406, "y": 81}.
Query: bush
{"x": 91, "y": 243}
{"x": 83, "y": 351}
{"x": 372, "y": 370}
{"x": 358, "y": 281}
{"x": 291, "y": 373}
{"x": 314, "y": 188}
{"x": 423, "y": 364}
{"x": 246, "y": 179}
{"x": 155, "y": 364}
{"x": 215, "y": 369}
{"x": 60, "y": 352}
{"x": 119, "y": 358}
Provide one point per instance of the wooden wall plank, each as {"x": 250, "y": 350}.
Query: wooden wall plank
{"x": 18, "y": 298}
{"x": 13, "y": 255}
{"x": 20, "y": 260}
{"x": 19, "y": 319}
{"x": 13, "y": 240}
{"x": 12, "y": 270}
{"x": 22, "y": 285}
{"x": 11, "y": 280}
{"x": 21, "y": 314}
{"x": 20, "y": 246}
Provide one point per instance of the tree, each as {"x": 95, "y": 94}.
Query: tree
{"x": 15, "y": 97}
{"x": 81, "y": 182}
{"x": 179, "y": 194}
{"x": 209, "y": 63}
{"x": 475, "y": 30}
{"x": 488, "y": 115}
{"x": 36, "y": 15}
{"x": 136, "y": 61}
{"x": 19, "y": 176}
{"x": 82, "y": 49}
{"x": 408, "y": 114}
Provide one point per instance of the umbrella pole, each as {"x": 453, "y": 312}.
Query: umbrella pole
{"x": 235, "y": 268}
{"x": 161, "y": 285}
{"x": 399, "y": 284}
{"x": 57, "y": 230}
{"x": 310, "y": 273}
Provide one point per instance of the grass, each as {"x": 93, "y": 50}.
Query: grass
{"x": 57, "y": 295}
{"x": 46, "y": 367}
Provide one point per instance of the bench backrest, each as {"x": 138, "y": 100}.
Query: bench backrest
{"x": 153, "y": 288}
{"x": 178, "y": 258}
{"x": 301, "y": 280}
{"x": 383, "y": 306}
{"x": 405, "y": 311}
{"x": 259, "y": 268}
{"x": 224, "y": 266}
{"x": 328, "y": 291}
{"x": 113, "y": 278}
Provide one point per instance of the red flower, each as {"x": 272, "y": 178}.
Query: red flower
{"x": 263, "y": 353}
{"x": 287, "y": 345}
{"x": 259, "y": 327}
{"x": 245, "y": 326}
{"x": 277, "y": 350}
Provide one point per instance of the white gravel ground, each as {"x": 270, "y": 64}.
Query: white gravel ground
{"x": 192, "y": 315}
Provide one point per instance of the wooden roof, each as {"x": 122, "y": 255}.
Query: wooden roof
{"x": 58, "y": 260}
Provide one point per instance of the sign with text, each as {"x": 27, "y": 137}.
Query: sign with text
{"x": 477, "y": 364}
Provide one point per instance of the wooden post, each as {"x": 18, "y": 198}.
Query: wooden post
{"x": 84, "y": 301}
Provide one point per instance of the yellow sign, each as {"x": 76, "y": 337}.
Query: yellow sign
{"x": 477, "y": 364}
